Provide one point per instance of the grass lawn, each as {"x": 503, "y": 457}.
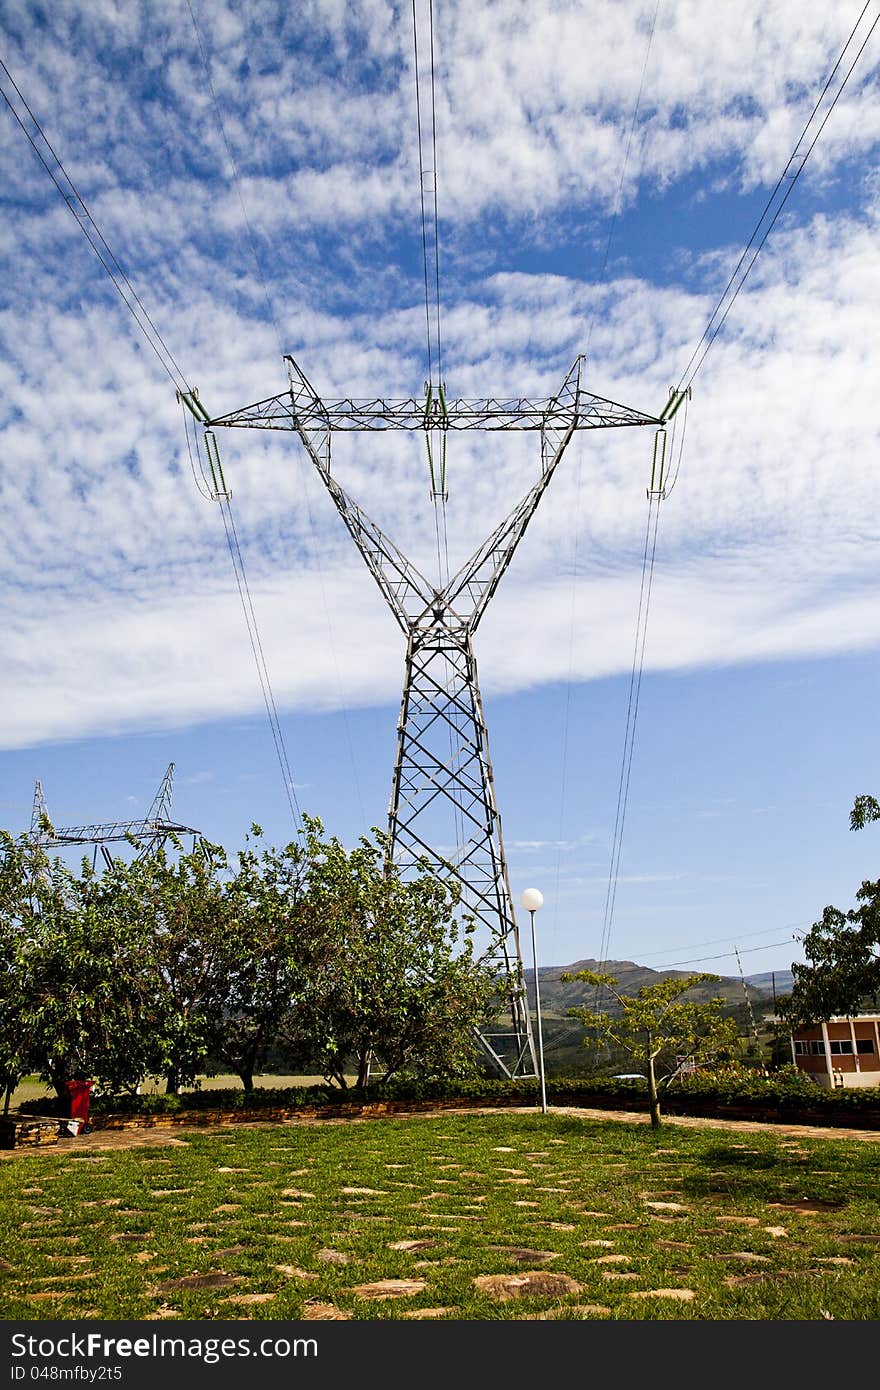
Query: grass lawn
{"x": 575, "y": 1218}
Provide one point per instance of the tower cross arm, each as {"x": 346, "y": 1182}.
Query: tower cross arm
{"x": 115, "y": 830}
{"x": 300, "y": 409}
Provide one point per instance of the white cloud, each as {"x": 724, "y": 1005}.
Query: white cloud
{"x": 119, "y": 604}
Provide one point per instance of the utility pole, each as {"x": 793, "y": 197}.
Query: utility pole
{"x": 748, "y": 999}
{"x": 442, "y": 752}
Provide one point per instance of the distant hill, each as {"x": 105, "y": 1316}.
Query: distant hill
{"x": 563, "y": 1036}
{"x": 780, "y": 980}
{"x": 558, "y": 997}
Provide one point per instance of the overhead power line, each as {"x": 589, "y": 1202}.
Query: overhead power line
{"x": 794, "y": 166}
{"x": 54, "y": 167}
{"x": 76, "y": 205}
{"x": 212, "y": 485}
{"x": 430, "y": 233}
{"x": 260, "y": 660}
{"x": 602, "y": 276}
{"x": 632, "y": 714}
{"x": 825, "y": 104}
{"x": 723, "y": 940}
{"x": 727, "y": 955}
{"x": 237, "y": 560}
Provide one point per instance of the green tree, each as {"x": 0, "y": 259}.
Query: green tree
{"x": 175, "y": 905}
{"x": 16, "y": 933}
{"x": 263, "y": 956}
{"x": 391, "y": 983}
{"x": 70, "y": 983}
{"x": 865, "y": 809}
{"x": 842, "y": 970}
{"x": 657, "y": 1025}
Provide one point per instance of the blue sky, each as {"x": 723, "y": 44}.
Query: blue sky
{"x": 125, "y": 644}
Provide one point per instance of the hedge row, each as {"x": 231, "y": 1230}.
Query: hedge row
{"x": 785, "y": 1094}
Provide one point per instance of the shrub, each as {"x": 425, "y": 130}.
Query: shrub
{"x": 788, "y": 1091}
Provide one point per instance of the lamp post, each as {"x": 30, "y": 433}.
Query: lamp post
{"x": 531, "y": 900}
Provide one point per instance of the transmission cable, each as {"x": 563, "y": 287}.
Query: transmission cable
{"x": 428, "y": 333}
{"x": 435, "y": 403}
{"x": 436, "y": 213}
{"x": 771, "y": 211}
{"x": 723, "y": 940}
{"x": 260, "y": 660}
{"x": 114, "y": 270}
{"x": 226, "y": 502}
{"x": 78, "y": 209}
{"x": 727, "y": 955}
{"x": 775, "y": 203}
{"x": 215, "y": 491}
{"x": 602, "y": 277}
{"x": 218, "y": 494}
{"x": 435, "y": 392}
{"x": 635, "y": 686}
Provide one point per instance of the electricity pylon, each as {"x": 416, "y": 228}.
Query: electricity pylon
{"x": 442, "y": 756}
{"x": 149, "y": 833}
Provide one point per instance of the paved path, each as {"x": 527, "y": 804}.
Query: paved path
{"x": 159, "y": 1136}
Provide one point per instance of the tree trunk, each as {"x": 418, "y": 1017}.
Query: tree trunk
{"x": 653, "y": 1097}
{"x": 363, "y": 1075}
{"x": 59, "y": 1076}
{"x": 10, "y": 1087}
{"x": 172, "y": 1083}
{"x": 246, "y": 1077}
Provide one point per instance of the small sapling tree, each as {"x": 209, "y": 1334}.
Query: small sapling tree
{"x": 657, "y": 1024}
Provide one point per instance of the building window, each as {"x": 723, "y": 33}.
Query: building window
{"x": 840, "y": 1047}
{"x": 864, "y": 1045}
{"x": 800, "y": 1047}
{"x": 817, "y": 1047}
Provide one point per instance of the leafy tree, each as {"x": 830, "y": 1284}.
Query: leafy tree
{"x": 16, "y": 909}
{"x": 262, "y": 956}
{"x": 842, "y": 972}
{"x": 865, "y": 809}
{"x": 83, "y": 993}
{"x": 69, "y": 995}
{"x": 391, "y": 979}
{"x": 177, "y": 911}
{"x": 155, "y": 966}
{"x": 656, "y": 1025}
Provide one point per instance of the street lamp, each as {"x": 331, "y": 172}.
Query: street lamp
{"x": 532, "y": 899}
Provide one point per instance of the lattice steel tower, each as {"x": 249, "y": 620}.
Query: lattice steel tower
{"x": 147, "y": 834}
{"x": 442, "y": 757}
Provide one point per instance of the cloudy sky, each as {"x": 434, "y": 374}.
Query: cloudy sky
{"x": 600, "y": 167}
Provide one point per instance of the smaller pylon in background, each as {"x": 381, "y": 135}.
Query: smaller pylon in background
{"x": 148, "y": 834}
{"x": 39, "y": 814}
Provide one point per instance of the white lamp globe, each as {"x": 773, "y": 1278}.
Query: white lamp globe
{"x": 532, "y": 899}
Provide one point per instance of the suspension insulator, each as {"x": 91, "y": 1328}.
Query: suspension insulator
{"x": 213, "y": 452}
{"x": 658, "y": 466}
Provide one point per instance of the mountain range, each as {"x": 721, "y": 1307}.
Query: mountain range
{"x": 749, "y": 1001}
{"x": 558, "y": 996}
